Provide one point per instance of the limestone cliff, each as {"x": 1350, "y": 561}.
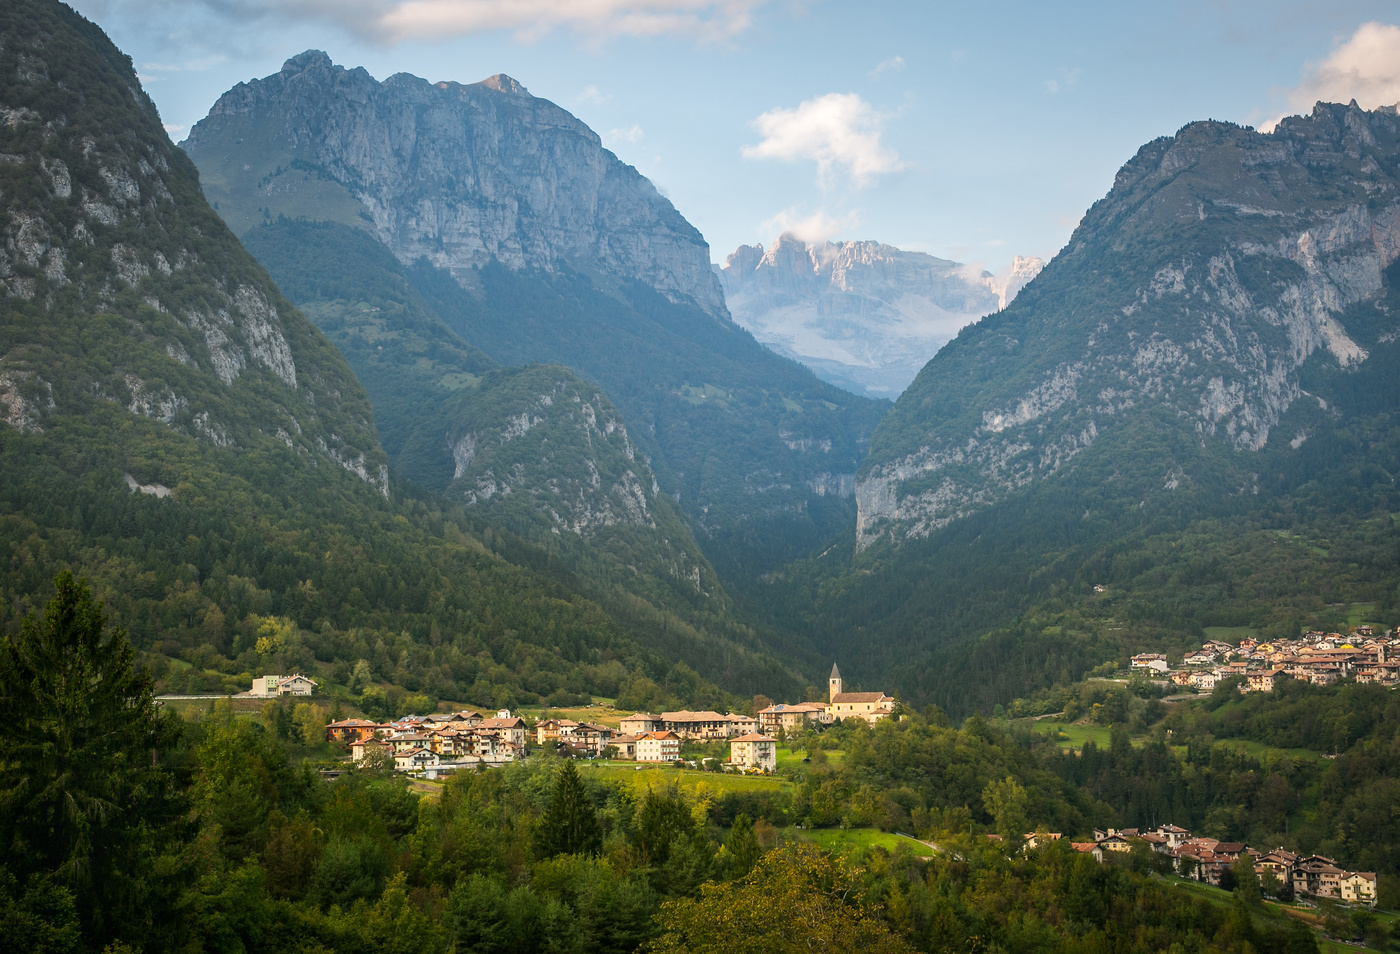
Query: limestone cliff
{"x": 455, "y": 174}
{"x": 863, "y": 315}
{"x": 120, "y": 285}
{"x": 1224, "y": 270}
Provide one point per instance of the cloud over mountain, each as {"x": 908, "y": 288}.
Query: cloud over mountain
{"x": 836, "y": 131}
{"x": 1366, "y": 68}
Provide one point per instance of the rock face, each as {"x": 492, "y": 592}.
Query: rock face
{"x": 1224, "y": 271}
{"x": 457, "y": 174}
{"x": 119, "y": 284}
{"x": 863, "y": 315}
{"x": 539, "y": 446}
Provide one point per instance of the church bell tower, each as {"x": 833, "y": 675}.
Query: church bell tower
{"x": 833, "y": 684}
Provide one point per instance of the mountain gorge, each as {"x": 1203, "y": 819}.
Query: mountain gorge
{"x": 530, "y": 242}
{"x": 865, "y": 316}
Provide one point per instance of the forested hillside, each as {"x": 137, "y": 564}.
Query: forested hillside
{"x": 1033, "y": 459}
{"x": 181, "y": 435}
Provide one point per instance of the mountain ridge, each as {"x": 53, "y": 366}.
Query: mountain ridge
{"x": 864, "y": 315}
{"x": 305, "y": 134}
{"x": 1238, "y": 227}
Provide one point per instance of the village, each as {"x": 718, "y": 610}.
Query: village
{"x": 1211, "y": 861}
{"x": 1317, "y": 657}
{"x": 434, "y": 746}
{"x": 437, "y": 745}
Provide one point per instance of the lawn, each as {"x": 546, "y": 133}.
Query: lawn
{"x": 1077, "y": 734}
{"x": 787, "y": 758}
{"x": 688, "y": 778}
{"x": 1259, "y": 749}
{"x": 1360, "y": 613}
{"x": 597, "y": 714}
{"x": 832, "y": 839}
{"x": 186, "y": 708}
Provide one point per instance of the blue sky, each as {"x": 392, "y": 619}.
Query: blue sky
{"x": 969, "y": 131}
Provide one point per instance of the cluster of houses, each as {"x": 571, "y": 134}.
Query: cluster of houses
{"x": 1207, "y": 860}
{"x": 435, "y": 745}
{"x": 440, "y": 744}
{"x": 789, "y": 716}
{"x": 1318, "y": 657}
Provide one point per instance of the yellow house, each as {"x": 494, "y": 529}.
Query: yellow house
{"x": 1358, "y": 887}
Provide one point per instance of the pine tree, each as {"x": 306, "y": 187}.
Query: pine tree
{"x": 81, "y": 793}
{"x": 569, "y": 825}
{"x": 741, "y": 848}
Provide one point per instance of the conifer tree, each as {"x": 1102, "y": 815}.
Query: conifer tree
{"x": 81, "y": 790}
{"x": 569, "y": 825}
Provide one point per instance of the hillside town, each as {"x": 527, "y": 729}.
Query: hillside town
{"x": 1317, "y": 657}
{"x": 438, "y": 745}
{"x": 1210, "y": 861}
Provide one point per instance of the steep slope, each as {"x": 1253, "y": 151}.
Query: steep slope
{"x": 534, "y": 244}
{"x": 178, "y": 432}
{"x": 1224, "y": 269}
{"x": 460, "y": 175}
{"x": 534, "y": 450}
{"x": 1213, "y": 358}
{"x": 863, "y": 315}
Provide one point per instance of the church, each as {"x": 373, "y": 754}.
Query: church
{"x": 870, "y": 706}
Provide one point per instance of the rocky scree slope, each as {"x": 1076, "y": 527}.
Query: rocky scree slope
{"x": 120, "y": 286}
{"x": 459, "y": 175}
{"x": 478, "y": 191}
{"x": 863, "y": 315}
{"x": 1225, "y": 270}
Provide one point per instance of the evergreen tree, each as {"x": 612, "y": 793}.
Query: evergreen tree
{"x": 569, "y": 825}
{"x": 81, "y": 791}
{"x": 741, "y": 848}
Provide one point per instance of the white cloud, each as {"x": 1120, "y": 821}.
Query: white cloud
{"x": 172, "y": 128}
{"x": 592, "y": 96}
{"x": 892, "y": 65}
{"x": 1063, "y": 80}
{"x": 1366, "y": 68}
{"x": 386, "y": 22}
{"x": 815, "y": 227}
{"x": 835, "y": 130}
{"x": 631, "y": 134}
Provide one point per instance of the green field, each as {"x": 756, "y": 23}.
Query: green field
{"x": 688, "y": 778}
{"x": 597, "y": 714}
{"x": 788, "y": 759}
{"x": 1077, "y": 734}
{"x": 833, "y": 839}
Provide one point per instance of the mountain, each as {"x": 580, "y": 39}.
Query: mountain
{"x": 458, "y": 175}
{"x": 1223, "y": 297}
{"x": 863, "y": 315}
{"x": 1193, "y": 405}
{"x": 532, "y": 243}
{"x": 178, "y": 432}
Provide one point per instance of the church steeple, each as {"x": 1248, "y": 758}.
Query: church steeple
{"x": 833, "y": 684}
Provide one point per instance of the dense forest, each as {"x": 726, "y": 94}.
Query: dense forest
{"x": 126, "y": 828}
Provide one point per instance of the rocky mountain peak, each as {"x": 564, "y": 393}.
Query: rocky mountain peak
{"x": 1223, "y": 269}
{"x": 456, "y": 174}
{"x": 862, "y": 314}
{"x": 505, "y": 84}
{"x": 309, "y": 60}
